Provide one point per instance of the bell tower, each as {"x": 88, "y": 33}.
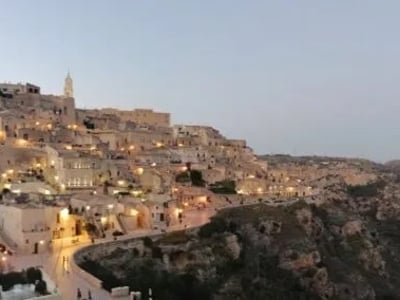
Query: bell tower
{"x": 68, "y": 86}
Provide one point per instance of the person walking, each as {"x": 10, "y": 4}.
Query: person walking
{"x": 89, "y": 295}
{"x": 79, "y": 294}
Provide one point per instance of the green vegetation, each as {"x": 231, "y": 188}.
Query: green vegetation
{"x": 30, "y": 276}
{"x": 204, "y": 266}
{"x": 217, "y": 225}
{"x": 148, "y": 242}
{"x": 195, "y": 177}
{"x": 176, "y": 237}
{"x": 183, "y": 177}
{"x": 223, "y": 187}
{"x": 96, "y": 269}
{"x": 368, "y": 190}
{"x": 91, "y": 229}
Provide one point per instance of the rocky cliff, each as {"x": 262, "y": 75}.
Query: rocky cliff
{"x": 346, "y": 248}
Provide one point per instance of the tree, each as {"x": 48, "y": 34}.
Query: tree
{"x": 90, "y": 228}
{"x": 197, "y": 178}
{"x": 147, "y": 242}
{"x": 33, "y": 275}
{"x": 41, "y": 287}
{"x": 216, "y": 225}
{"x": 182, "y": 177}
{"x": 368, "y": 190}
{"x": 224, "y": 187}
{"x": 105, "y": 187}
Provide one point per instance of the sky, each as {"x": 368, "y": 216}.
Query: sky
{"x": 293, "y": 77}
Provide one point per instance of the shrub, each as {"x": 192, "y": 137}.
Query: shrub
{"x": 108, "y": 279}
{"x": 33, "y": 275}
{"x": 8, "y": 280}
{"x": 156, "y": 252}
{"x": 117, "y": 233}
{"x": 41, "y": 287}
{"x": 197, "y": 178}
{"x": 224, "y": 187}
{"x": 182, "y": 177}
{"x": 135, "y": 252}
{"x": 90, "y": 228}
{"x": 217, "y": 225}
{"x": 147, "y": 242}
{"x": 368, "y": 190}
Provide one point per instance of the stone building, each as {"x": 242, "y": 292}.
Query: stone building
{"x": 31, "y": 226}
{"x": 71, "y": 169}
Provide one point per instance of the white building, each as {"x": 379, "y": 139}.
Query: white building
{"x": 72, "y": 169}
{"x": 31, "y": 227}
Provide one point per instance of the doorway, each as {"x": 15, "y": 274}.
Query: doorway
{"x": 78, "y": 227}
{"x": 36, "y": 248}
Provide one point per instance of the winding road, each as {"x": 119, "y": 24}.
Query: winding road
{"x": 68, "y": 282}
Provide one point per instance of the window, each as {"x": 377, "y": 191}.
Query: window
{"x": 26, "y": 241}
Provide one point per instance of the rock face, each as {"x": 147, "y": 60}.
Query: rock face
{"x": 294, "y": 261}
{"x": 270, "y": 227}
{"x": 351, "y": 228}
{"x": 372, "y": 260}
{"x": 233, "y": 245}
{"x": 347, "y": 248}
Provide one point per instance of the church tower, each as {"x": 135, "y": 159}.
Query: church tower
{"x": 68, "y": 86}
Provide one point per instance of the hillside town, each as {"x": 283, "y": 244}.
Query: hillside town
{"x": 72, "y": 176}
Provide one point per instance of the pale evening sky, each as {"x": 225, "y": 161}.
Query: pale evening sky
{"x": 298, "y": 77}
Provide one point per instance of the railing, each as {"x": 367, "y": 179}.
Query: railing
{"x": 36, "y": 230}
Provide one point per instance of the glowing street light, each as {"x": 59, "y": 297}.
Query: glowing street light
{"x": 21, "y": 142}
{"x": 64, "y": 213}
